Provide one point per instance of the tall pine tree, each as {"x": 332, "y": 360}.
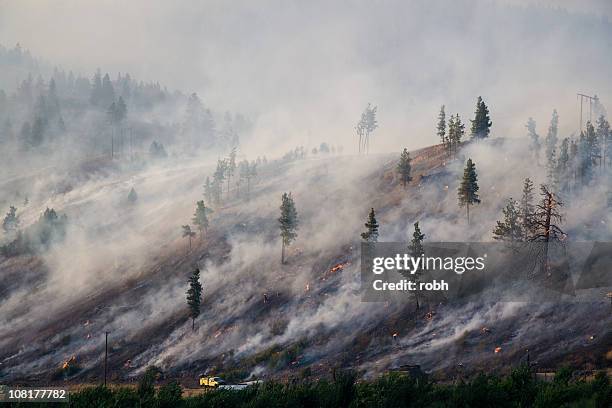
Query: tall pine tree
{"x": 200, "y": 217}
{"x": 416, "y": 250}
{"x": 534, "y": 139}
{"x": 403, "y": 167}
{"x": 468, "y": 189}
{"x": 509, "y": 229}
{"x": 481, "y": 125}
{"x": 442, "y": 126}
{"x": 527, "y": 208}
{"x": 194, "y": 296}
{"x": 288, "y": 221}
{"x": 371, "y": 233}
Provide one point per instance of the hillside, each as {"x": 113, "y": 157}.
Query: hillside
{"x": 123, "y": 268}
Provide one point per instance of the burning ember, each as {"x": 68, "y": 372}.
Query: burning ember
{"x": 485, "y": 330}
{"x": 430, "y": 315}
{"x": 70, "y": 362}
{"x": 218, "y": 333}
{"x": 307, "y": 287}
{"x": 498, "y": 350}
{"x": 128, "y": 364}
{"x": 337, "y": 268}
{"x": 394, "y": 336}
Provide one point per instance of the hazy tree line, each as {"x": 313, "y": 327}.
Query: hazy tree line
{"x": 106, "y": 113}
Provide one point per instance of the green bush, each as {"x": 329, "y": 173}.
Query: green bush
{"x": 518, "y": 390}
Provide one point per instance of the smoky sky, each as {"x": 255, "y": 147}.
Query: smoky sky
{"x": 306, "y": 70}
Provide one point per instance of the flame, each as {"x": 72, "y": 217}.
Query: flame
{"x": 307, "y": 287}
{"x": 69, "y": 362}
{"x": 394, "y": 335}
{"x": 337, "y": 268}
{"x": 498, "y": 349}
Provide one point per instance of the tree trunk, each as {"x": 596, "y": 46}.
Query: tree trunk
{"x": 193, "y": 323}
{"x": 283, "y": 252}
{"x": 467, "y": 206}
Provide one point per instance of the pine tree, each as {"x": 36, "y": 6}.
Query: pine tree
{"x": 288, "y": 221}
{"x": 551, "y": 137}
{"x": 563, "y": 166}
{"x": 603, "y": 134}
{"x": 208, "y": 190}
{"x": 11, "y": 221}
{"x": 218, "y": 178}
{"x": 456, "y": 131}
{"x": 442, "y": 126}
{"x": 416, "y": 250}
{"x": 200, "y": 217}
{"x": 371, "y": 234}
{"x": 527, "y": 208}
{"x": 132, "y": 196}
{"x": 551, "y": 171}
{"x": 510, "y": 228}
{"x": 468, "y": 190}
{"x": 450, "y": 137}
{"x": 230, "y": 167}
{"x": 586, "y": 157}
{"x": 403, "y": 167}
{"x": 481, "y": 125}
{"x": 107, "y": 95}
{"x": 187, "y": 232}
{"x": 593, "y": 144}
{"x": 194, "y": 296}
{"x": 96, "y": 90}
{"x": 366, "y": 125}
{"x": 534, "y": 138}
{"x": 546, "y": 230}
{"x": 546, "y": 217}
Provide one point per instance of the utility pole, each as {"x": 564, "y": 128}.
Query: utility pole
{"x": 590, "y": 99}
{"x": 105, "y": 355}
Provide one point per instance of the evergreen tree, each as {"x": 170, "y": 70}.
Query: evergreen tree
{"x": 218, "y": 178}
{"x": 107, "y": 95}
{"x": 371, "y": 234}
{"x": 187, "y": 232}
{"x": 132, "y": 196}
{"x": 194, "y": 296}
{"x": 551, "y": 171}
{"x": 534, "y": 139}
{"x": 563, "y": 166}
{"x": 546, "y": 217}
{"x": 121, "y": 110}
{"x": 527, "y": 208}
{"x": 231, "y": 167}
{"x": 593, "y": 144}
{"x": 586, "y": 154}
{"x": 208, "y": 190}
{"x": 546, "y": 230}
{"x": 288, "y": 221}
{"x": 416, "y": 250}
{"x": 403, "y": 167}
{"x": 604, "y": 136}
{"x": 96, "y": 89}
{"x": 456, "y": 131}
{"x": 468, "y": 189}
{"x": 551, "y": 137}
{"x": 442, "y": 126}
{"x": 200, "y": 217}
{"x": 481, "y": 125}
{"x": 510, "y": 228}
{"x": 10, "y": 224}
{"x": 366, "y": 125}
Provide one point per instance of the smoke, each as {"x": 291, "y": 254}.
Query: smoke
{"x": 303, "y": 72}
